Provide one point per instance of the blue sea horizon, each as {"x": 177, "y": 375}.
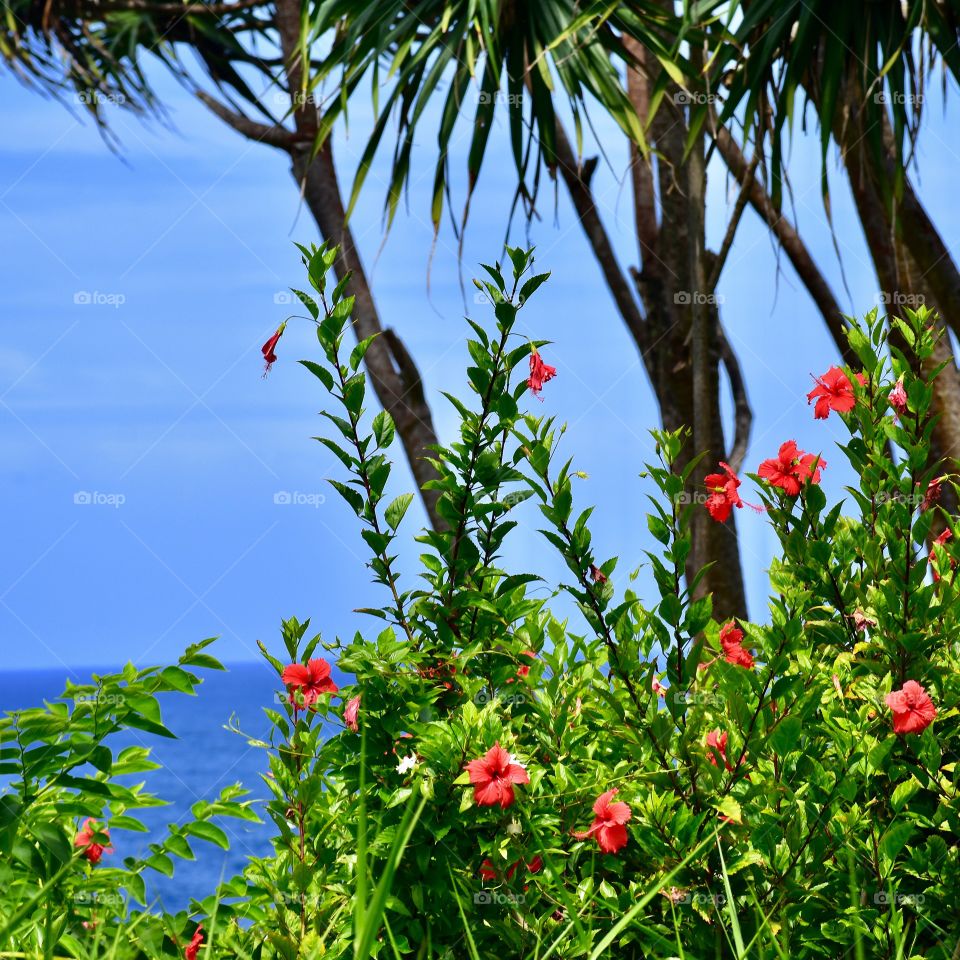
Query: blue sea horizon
{"x": 203, "y": 759}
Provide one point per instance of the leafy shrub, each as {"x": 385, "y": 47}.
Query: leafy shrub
{"x": 516, "y": 774}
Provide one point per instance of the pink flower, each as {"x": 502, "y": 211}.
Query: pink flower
{"x": 310, "y": 679}
{"x": 658, "y": 688}
{"x": 493, "y": 777}
{"x": 540, "y": 372}
{"x": 92, "y": 850}
{"x": 597, "y": 574}
{"x": 608, "y": 823}
{"x": 731, "y": 639}
{"x": 941, "y": 540}
{"x": 913, "y": 710}
{"x": 833, "y": 391}
{"x": 717, "y": 744}
{"x": 723, "y": 496}
{"x": 898, "y": 398}
{"x": 791, "y": 468}
{"x": 350, "y": 712}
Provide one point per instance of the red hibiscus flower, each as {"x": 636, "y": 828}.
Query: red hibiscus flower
{"x": 932, "y": 559}
{"x": 524, "y": 670}
{"x": 493, "y": 777}
{"x": 833, "y": 391}
{"x": 92, "y": 850}
{"x": 310, "y": 680}
{"x": 268, "y": 348}
{"x": 608, "y": 823}
{"x": 731, "y": 639}
{"x": 723, "y": 493}
{"x": 489, "y": 872}
{"x": 540, "y": 373}
{"x": 913, "y": 710}
{"x": 597, "y": 575}
{"x": 898, "y": 398}
{"x": 791, "y": 468}
{"x": 194, "y": 945}
{"x": 350, "y": 712}
{"x": 932, "y": 495}
{"x": 717, "y": 744}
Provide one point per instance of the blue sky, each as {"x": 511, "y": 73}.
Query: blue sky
{"x": 150, "y": 395}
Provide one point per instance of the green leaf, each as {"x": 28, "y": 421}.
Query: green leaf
{"x": 208, "y": 831}
{"x": 395, "y": 512}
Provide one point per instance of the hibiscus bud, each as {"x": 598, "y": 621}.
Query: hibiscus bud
{"x": 932, "y": 495}
{"x": 898, "y": 398}
{"x": 270, "y": 346}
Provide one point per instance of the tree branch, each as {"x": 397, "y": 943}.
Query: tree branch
{"x": 275, "y": 136}
{"x": 586, "y": 208}
{"x": 790, "y": 242}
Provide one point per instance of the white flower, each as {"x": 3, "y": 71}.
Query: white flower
{"x": 406, "y": 764}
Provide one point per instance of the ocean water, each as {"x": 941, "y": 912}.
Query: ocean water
{"x": 203, "y": 759}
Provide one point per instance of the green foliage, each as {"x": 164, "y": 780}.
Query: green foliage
{"x": 773, "y": 809}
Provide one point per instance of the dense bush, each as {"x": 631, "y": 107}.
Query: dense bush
{"x": 642, "y": 781}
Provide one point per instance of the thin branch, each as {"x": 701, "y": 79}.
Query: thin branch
{"x": 790, "y": 242}
{"x": 275, "y": 136}
{"x": 742, "y": 414}
{"x": 746, "y": 183}
{"x": 599, "y": 241}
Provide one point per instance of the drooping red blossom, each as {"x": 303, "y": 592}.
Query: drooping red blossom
{"x": 351, "y": 712}
{"x": 193, "y": 947}
{"x": 597, "y": 575}
{"x": 717, "y": 743}
{"x": 489, "y": 872}
{"x": 493, "y": 777}
{"x": 310, "y": 679}
{"x": 540, "y": 372}
{"x": 861, "y": 621}
{"x": 731, "y": 639}
{"x": 723, "y": 495}
{"x": 833, "y": 391}
{"x": 524, "y": 669}
{"x": 269, "y": 348}
{"x": 791, "y": 468}
{"x": 932, "y": 494}
{"x": 898, "y": 398}
{"x": 608, "y": 823}
{"x": 913, "y": 710}
{"x": 92, "y": 850}
{"x": 941, "y": 540}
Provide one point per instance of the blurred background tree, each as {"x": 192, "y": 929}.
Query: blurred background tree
{"x": 685, "y": 84}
